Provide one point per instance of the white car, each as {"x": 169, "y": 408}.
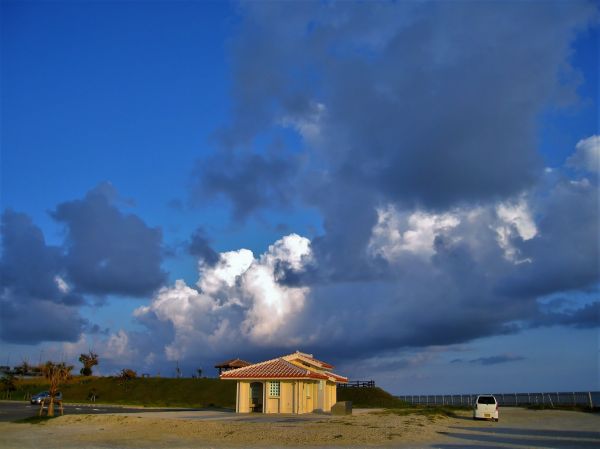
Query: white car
{"x": 485, "y": 407}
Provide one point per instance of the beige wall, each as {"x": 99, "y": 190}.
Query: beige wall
{"x": 243, "y": 397}
{"x": 294, "y": 397}
{"x": 330, "y": 396}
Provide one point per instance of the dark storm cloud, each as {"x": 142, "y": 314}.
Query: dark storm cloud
{"x": 431, "y": 107}
{"x": 492, "y": 360}
{"x": 199, "y": 246}
{"x": 429, "y": 104}
{"x": 433, "y": 103}
{"x": 109, "y": 252}
{"x": 584, "y": 317}
{"x": 249, "y": 181}
{"x": 565, "y": 255}
{"x": 33, "y": 307}
{"x": 497, "y": 359}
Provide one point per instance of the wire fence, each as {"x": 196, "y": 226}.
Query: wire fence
{"x": 589, "y": 399}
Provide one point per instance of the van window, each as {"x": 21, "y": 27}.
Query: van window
{"x": 486, "y": 400}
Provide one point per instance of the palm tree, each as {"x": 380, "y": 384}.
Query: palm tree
{"x": 56, "y": 373}
{"x": 88, "y": 360}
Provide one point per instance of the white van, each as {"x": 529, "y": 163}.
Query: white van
{"x": 485, "y": 407}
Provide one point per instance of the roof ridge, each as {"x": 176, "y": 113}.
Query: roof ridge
{"x": 260, "y": 364}
{"x": 310, "y": 357}
{"x": 294, "y": 366}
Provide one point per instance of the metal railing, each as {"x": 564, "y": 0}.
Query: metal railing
{"x": 589, "y": 399}
{"x": 358, "y": 384}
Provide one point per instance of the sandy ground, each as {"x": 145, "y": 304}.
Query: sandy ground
{"x": 518, "y": 428}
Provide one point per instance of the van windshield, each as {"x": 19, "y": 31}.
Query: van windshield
{"x": 486, "y": 400}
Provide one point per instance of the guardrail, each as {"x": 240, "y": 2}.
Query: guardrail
{"x": 589, "y": 399}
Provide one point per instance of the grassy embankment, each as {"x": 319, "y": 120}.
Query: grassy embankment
{"x": 378, "y": 398}
{"x": 199, "y": 393}
{"x": 369, "y": 398}
{"x": 148, "y": 392}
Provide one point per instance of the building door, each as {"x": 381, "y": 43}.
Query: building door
{"x": 256, "y": 397}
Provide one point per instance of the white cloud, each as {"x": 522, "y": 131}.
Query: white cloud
{"x": 118, "y": 349}
{"x": 587, "y": 155}
{"x": 515, "y": 219}
{"x": 224, "y": 274}
{"x": 61, "y": 284}
{"x": 413, "y": 233}
{"x": 239, "y": 299}
{"x": 272, "y": 303}
{"x": 395, "y": 233}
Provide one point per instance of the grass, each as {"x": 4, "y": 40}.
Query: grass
{"x": 370, "y": 398}
{"x": 147, "y": 392}
{"x": 431, "y": 412}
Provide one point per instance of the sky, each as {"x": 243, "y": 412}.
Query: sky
{"x": 407, "y": 190}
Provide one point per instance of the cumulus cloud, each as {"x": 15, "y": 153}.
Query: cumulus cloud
{"x": 238, "y": 299}
{"x": 587, "y": 155}
{"x": 426, "y": 106}
{"x": 36, "y": 303}
{"x": 445, "y": 275}
{"x": 394, "y": 234}
{"x": 105, "y": 252}
{"x": 417, "y": 125}
{"x": 109, "y": 252}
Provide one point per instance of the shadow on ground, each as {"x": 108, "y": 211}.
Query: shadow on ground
{"x": 526, "y": 438}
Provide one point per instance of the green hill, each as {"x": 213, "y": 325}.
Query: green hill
{"x": 168, "y": 392}
{"x": 369, "y": 398}
{"x": 150, "y": 392}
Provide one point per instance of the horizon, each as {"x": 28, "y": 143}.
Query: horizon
{"x": 408, "y": 191}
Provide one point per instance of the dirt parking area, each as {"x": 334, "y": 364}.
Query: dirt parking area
{"x": 518, "y": 428}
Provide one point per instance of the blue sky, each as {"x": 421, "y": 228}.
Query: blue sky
{"x": 419, "y": 197}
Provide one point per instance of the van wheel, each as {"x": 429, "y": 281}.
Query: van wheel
{"x": 496, "y": 419}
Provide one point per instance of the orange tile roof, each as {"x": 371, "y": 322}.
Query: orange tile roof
{"x": 278, "y": 369}
{"x": 337, "y": 377}
{"x": 233, "y": 363}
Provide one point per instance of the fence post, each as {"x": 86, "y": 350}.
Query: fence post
{"x": 516, "y": 400}
{"x": 590, "y": 398}
{"x": 574, "y": 400}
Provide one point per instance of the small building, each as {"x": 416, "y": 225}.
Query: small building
{"x": 294, "y": 383}
{"x": 231, "y": 364}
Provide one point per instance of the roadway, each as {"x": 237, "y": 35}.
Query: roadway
{"x": 14, "y": 410}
